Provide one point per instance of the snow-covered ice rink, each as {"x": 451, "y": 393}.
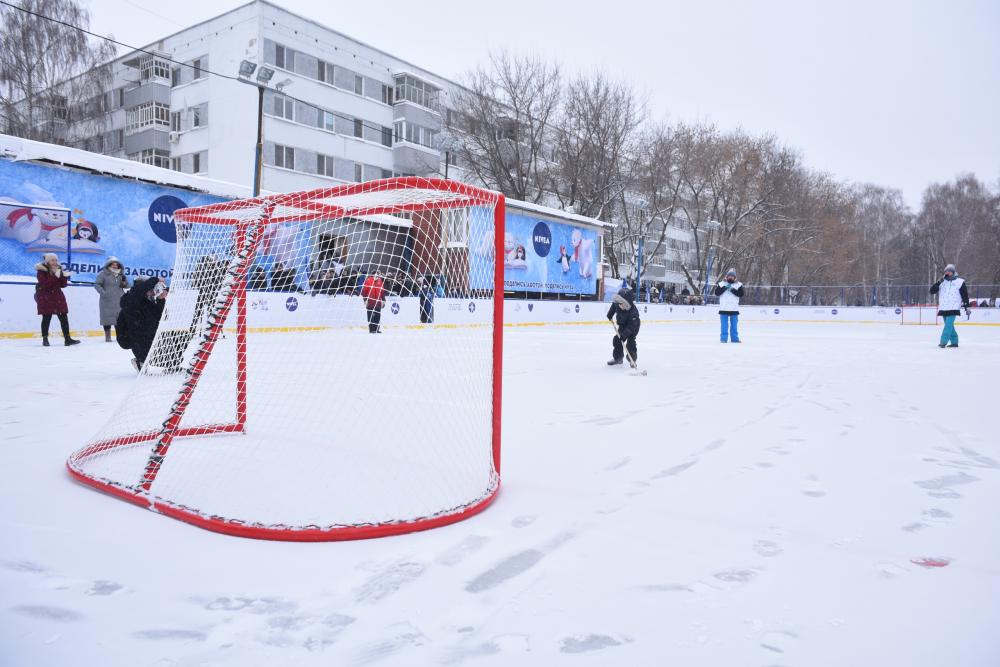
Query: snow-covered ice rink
{"x": 823, "y": 494}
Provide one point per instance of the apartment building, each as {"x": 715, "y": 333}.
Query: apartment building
{"x": 335, "y": 110}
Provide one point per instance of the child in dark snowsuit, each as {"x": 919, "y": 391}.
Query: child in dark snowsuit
{"x": 626, "y": 315}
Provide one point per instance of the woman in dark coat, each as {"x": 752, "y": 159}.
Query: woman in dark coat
{"x": 111, "y": 284}
{"x": 142, "y": 308}
{"x": 50, "y": 298}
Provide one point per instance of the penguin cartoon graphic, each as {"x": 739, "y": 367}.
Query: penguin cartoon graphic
{"x": 86, "y": 238}
{"x": 563, "y": 259}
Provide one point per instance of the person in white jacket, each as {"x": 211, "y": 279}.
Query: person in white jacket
{"x": 729, "y": 292}
{"x": 952, "y": 295}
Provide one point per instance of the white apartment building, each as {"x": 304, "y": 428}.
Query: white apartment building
{"x": 352, "y": 112}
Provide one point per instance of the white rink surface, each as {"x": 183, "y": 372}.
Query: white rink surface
{"x": 756, "y": 504}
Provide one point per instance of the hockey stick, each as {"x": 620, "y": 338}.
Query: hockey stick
{"x": 635, "y": 369}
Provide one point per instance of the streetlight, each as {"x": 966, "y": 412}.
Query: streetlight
{"x": 264, "y": 75}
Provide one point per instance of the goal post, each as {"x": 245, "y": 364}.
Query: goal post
{"x": 267, "y": 408}
{"x": 918, "y": 314}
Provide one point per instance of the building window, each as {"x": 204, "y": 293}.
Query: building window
{"x": 328, "y": 121}
{"x": 283, "y": 107}
{"x": 359, "y": 127}
{"x": 419, "y": 92}
{"x": 175, "y": 121}
{"x": 324, "y": 71}
{"x": 284, "y": 57}
{"x": 284, "y": 156}
{"x": 199, "y": 116}
{"x": 324, "y": 165}
{"x": 386, "y": 94}
{"x": 358, "y": 172}
{"x": 196, "y": 163}
{"x": 387, "y": 136}
{"x": 151, "y": 67}
{"x": 457, "y": 225}
{"x": 200, "y": 65}
{"x": 359, "y": 84}
{"x": 414, "y": 134}
{"x": 175, "y": 77}
{"x": 153, "y": 156}
{"x": 147, "y": 115}
{"x": 60, "y": 111}
{"x": 175, "y": 164}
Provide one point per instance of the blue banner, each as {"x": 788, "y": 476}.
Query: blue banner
{"x": 107, "y": 217}
{"x": 545, "y": 256}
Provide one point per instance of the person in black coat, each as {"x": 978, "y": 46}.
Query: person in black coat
{"x": 142, "y": 307}
{"x": 626, "y": 315}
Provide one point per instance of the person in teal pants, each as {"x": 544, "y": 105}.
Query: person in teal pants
{"x": 952, "y": 295}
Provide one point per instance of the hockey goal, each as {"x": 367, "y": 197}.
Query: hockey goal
{"x": 925, "y": 313}
{"x": 267, "y": 409}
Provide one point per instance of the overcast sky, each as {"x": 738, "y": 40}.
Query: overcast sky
{"x": 899, "y": 93}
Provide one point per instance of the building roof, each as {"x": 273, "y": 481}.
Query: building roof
{"x": 17, "y": 149}
{"x": 557, "y": 214}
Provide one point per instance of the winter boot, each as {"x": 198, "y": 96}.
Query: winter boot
{"x": 942, "y": 345}
{"x": 952, "y": 345}
{"x": 107, "y": 336}
{"x": 45, "y": 341}
{"x": 71, "y": 341}
{"x": 615, "y": 362}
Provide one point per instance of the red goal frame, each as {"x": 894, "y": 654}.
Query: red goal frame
{"x": 283, "y": 208}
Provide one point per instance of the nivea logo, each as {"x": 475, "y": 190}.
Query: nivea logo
{"x": 292, "y": 304}
{"x": 833, "y": 312}
{"x": 394, "y": 308}
{"x": 161, "y": 217}
{"x": 541, "y": 239}
{"x": 472, "y": 306}
{"x": 899, "y": 311}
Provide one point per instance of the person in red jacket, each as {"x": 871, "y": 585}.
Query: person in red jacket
{"x": 50, "y": 298}
{"x": 373, "y": 293}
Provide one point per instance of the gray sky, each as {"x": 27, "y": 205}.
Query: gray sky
{"x": 899, "y": 93}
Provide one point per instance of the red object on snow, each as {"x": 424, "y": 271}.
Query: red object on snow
{"x": 931, "y": 562}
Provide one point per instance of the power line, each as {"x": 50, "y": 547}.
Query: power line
{"x": 161, "y": 56}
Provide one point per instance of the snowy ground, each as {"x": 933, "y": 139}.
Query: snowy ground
{"x": 820, "y": 495}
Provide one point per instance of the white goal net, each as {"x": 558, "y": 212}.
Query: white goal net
{"x": 305, "y": 382}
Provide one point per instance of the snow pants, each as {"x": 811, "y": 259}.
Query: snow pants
{"x": 618, "y": 353}
{"x": 730, "y": 327}
{"x": 374, "y": 317}
{"x": 949, "y": 335}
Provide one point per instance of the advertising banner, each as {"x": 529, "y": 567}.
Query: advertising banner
{"x": 108, "y": 217}
{"x": 543, "y": 256}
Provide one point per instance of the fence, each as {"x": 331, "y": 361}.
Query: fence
{"x": 836, "y": 295}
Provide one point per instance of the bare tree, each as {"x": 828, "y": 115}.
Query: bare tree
{"x": 51, "y": 76}
{"x": 596, "y": 141}
{"x": 502, "y": 122}
{"x": 957, "y": 224}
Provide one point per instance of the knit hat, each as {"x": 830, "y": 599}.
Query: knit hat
{"x": 49, "y": 255}
{"x": 731, "y": 272}
{"x": 112, "y": 260}
{"x": 950, "y": 267}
